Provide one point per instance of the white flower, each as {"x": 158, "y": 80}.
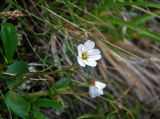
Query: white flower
{"x": 87, "y": 55}
{"x": 96, "y": 89}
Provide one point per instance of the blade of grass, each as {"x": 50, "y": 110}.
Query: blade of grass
{"x": 10, "y": 115}
{"x": 112, "y": 4}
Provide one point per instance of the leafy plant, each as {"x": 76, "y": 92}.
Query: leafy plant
{"x": 39, "y": 75}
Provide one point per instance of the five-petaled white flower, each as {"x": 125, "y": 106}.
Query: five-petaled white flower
{"x": 87, "y": 55}
{"x": 96, "y": 89}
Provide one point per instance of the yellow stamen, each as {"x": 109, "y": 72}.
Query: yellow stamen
{"x": 84, "y": 56}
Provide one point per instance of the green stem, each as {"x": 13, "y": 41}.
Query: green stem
{"x": 50, "y": 73}
{"x": 37, "y": 94}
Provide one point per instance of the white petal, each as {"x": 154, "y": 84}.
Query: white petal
{"x": 94, "y": 52}
{"x": 89, "y": 45}
{"x": 95, "y": 57}
{"x": 80, "y": 49}
{"x": 100, "y": 91}
{"x": 100, "y": 85}
{"x": 90, "y": 62}
{"x": 94, "y": 91}
{"x": 80, "y": 61}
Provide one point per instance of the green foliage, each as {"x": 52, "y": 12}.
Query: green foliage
{"x": 133, "y": 26}
{"x": 63, "y": 84}
{"x": 17, "y": 104}
{"x": 67, "y": 22}
{"x": 10, "y": 40}
{"x": 112, "y": 115}
{"x": 45, "y": 102}
{"x": 39, "y": 115}
{"x": 112, "y": 4}
{"x": 17, "y": 68}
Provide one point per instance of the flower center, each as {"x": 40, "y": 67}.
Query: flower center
{"x": 84, "y": 55}
{"x": 92, "y": 83}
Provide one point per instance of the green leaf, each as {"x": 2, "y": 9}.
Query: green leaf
{"x": 45, "y": 102}
{"x": 17, "y": 104}
{"x": 9, "y": 39}
{"x": 18, "y": 67}
{"x": 39, "y": 115}
{"x": 63, "y": 84}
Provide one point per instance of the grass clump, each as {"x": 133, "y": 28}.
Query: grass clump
{"x": 40, "y": 76}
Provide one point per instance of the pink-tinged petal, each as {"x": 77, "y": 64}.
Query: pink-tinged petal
{"x": 90, "y": 62}
{"x": 80, "y": 61}
{"x": 100, "y": 85}
{"x": 80, "y": 49}
{"x": 89, "y": 45}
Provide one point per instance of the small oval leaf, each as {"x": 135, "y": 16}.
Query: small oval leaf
{"x": 17, "y": 67}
